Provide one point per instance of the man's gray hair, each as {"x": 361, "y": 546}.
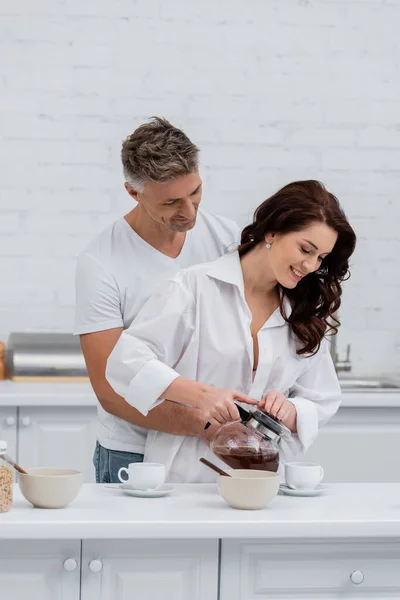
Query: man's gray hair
{"x": 157, "y": 151}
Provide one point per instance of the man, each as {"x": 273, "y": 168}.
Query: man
{"x": 117, "y": 272}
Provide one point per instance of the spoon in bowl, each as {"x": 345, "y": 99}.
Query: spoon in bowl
{"x": 210, "y": 465}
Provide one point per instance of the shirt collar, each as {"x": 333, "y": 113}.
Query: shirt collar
{"x": 227, "y": 268}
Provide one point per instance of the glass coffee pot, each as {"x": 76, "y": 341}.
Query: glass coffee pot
{"x": 252, "y": 443}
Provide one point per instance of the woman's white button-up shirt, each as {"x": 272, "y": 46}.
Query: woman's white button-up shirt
{"x": 197, "y": 325}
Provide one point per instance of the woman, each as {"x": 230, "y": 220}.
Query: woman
{"x": 250, "y": 325}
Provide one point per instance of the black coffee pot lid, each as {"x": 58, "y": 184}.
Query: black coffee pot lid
{"x": 267, "y": 420}
{"x": 264, "y": 418}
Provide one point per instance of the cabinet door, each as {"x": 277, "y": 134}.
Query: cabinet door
{"x": 8, "y": 429}
{"x": 150, "y": 569}
{"x": 359, "y": 445}
{"x": 58, "y": 437}
{"x": 296, "y": 570}
{"x": 43, "y": 570}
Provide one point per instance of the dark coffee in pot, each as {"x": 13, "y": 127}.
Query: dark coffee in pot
{"x": 263, "y": 459}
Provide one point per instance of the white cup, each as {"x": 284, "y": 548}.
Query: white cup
{"x": 303, "y": 475}
{"x": 143, "y": 475}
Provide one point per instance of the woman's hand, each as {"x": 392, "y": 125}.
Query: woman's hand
{"x": 219, "y": 404}
{"x": 281, "y": 408}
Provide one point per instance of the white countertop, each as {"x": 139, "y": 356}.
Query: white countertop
{"x": 384, "y": 398}
{"x": 197, "y": 511}
{"x": 46, "y": 393}
{"x": 18, "y": 393}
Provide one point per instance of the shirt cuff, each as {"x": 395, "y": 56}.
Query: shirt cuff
{"x": 146, "y": 387}
{"x": 307, "y": 421}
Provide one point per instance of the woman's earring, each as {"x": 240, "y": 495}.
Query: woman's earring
{"x": 268, "y": 245}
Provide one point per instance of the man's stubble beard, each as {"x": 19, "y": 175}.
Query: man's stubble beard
{"x": 182, "y": 228}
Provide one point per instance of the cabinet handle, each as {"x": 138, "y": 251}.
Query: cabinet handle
{"x": 357, "y": 577}
{"x": 25, "y": 421}
{"x": 95, "y": 566}
{"x": 10, "y": 421}
{"x": 70, "y": 565}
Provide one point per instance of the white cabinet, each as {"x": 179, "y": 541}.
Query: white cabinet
{"x": 150, "y": 570}
{"x": 43, "y": 570}
{"x": 58, "y": 437}
{"x": 359, "y": 445}
{"x": 8, "y": 429}
{"x": 190, "y": 569}
{"x": 298, "y": 570}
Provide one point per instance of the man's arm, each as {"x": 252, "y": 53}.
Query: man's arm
{"x": 167, "y": 417}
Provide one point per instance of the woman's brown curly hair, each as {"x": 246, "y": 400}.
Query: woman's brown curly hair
{"x": 317, "y": 296}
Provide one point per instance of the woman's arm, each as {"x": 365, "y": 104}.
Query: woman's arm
{"x": 138, "y": 366}
{"x": 316, "y": 396}
{"x": 217, "y": 403}
{"x": 141, "y": 366}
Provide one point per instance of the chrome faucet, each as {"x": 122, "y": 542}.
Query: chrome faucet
{"x": 340, "y": 364}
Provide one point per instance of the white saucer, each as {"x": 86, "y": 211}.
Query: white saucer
{"x": 320, "y": 489}
{"x": 158, "y": 493}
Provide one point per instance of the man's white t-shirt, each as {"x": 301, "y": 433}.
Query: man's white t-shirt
{"x": 117, "y": 273}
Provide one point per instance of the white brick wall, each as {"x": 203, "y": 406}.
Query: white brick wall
{"x": 271, "y": 91}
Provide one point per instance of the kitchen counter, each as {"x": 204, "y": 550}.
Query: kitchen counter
{"x": 18, "y": 393}
{"x": 197, "y": 511}
{"x": 46, "y": 393}
{"x": 371, "y": 398}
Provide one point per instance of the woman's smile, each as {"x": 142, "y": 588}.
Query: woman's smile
{"x": 296, "y": 274}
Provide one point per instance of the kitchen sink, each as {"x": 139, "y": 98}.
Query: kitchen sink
{"x": 355, "y": 383}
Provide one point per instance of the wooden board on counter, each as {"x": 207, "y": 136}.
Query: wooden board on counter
{"x": 33, "y": 378}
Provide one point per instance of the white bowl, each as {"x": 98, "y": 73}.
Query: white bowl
{"x": 248, "y": 489}
{"x": 50, "y": 488}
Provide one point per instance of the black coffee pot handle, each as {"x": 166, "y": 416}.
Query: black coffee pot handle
{"x": 244, "y": 414}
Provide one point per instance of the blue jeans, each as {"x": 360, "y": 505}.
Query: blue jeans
{"x": 108, "y": 462}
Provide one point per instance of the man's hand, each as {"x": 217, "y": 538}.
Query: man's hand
{"x": 281, "y": 408}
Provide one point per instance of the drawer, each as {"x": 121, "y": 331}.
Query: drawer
{"x": 254, "y": 570}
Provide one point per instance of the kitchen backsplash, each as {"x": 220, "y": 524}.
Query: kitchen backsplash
{"x": 270, "y": 91}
